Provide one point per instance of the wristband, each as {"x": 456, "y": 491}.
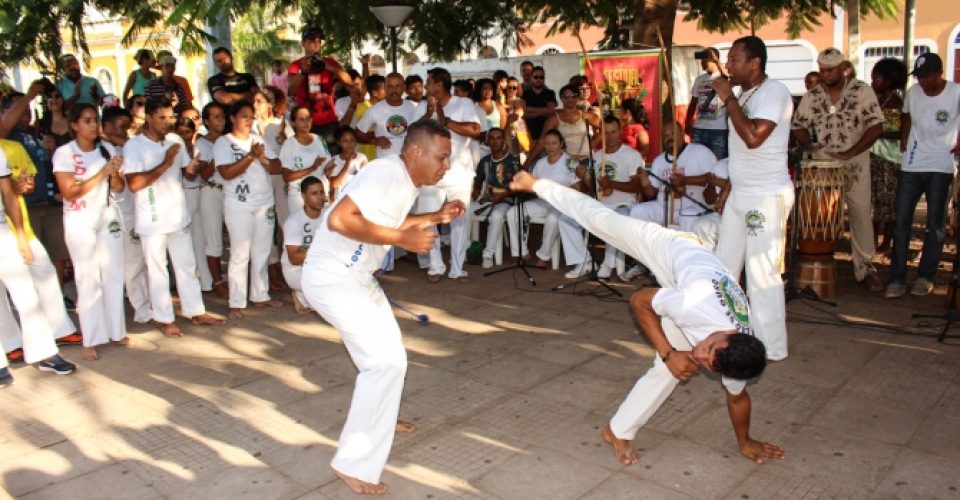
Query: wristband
{"x": 731, "y": 96}
{"x": 665, "y": 358}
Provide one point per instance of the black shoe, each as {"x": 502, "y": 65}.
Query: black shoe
{"x": 6, "y": 378}
{"x": 56, "y": 364}
{"x": 69, "y": 305}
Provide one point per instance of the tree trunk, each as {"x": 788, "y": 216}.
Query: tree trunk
{"x": 853, "y": 33}
{"x": 651, "y": 15}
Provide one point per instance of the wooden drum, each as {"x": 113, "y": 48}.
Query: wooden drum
{"x": 819, "y": 214}
{"x": 819, "y": 272}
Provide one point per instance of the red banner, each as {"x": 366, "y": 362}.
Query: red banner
{"x": 626, "y": 75}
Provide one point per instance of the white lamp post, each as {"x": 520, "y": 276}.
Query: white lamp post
{"x": 392, "y": 16}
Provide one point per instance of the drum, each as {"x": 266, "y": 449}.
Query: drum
{"x": 819, "y": 209}
{"x": 819, "y": 272}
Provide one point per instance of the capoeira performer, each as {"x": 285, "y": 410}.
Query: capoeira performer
{"x": 241, "y": 159}
{"x": 114, "y": 124}
{"x": 298, "y": 233}
{"x": 86, "y": 173}
{"x": 757, "y": 201}
{"x": 151, "y": 164}
{"x": 305, "y": 154}
{"x": 211, "y": 195}
{"x": 699, "y": 319}
{"x": 370, "y": 215}
{"x": 15, "y": 254}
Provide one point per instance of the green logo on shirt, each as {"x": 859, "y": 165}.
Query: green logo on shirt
{"x": 734, "y": 301}
{"x": 754, "y": 220}
{"x": 942, "y": 116}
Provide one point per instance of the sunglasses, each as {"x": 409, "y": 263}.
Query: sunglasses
{"x": 540, "y": 77}
{"x": 512, "y": 87}
{"x": 569, "y": 96}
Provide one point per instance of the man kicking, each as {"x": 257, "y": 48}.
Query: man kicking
{"x": 699, "y": 319}
{"x": 370, "y": 216}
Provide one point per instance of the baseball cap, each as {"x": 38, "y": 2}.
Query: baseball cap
{"x": 927, "y": 64}
{"x": 830, "y": 58}
{"x": 312, "y": 34}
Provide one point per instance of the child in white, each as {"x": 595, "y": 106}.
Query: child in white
{"x": 92, "y": 232}
{"x": 301, "y": 156}
{"x": 346, "y": 164}
{"x": 558, "y": 167}
{"x": 240, "y": 158}
{"x": 298, "y": 234}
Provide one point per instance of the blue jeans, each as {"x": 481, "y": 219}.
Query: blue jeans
{"x": 716, "y": 140}
{"x": 936, "y": 186}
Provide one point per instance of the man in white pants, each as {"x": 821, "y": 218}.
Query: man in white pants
{"x": 15, "y": 254}
{"x": 152, "y": 164}
{"x": 459, "y": 115}
{"x": 298, "y": 232}
{"x": 618, "y": 182}
{"x": 756, "y": 202}
{"x": 700, "y": 318}
{"x": 370, "y": 215}
{"x": 114, "y": 124}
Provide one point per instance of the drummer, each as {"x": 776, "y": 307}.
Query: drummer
{"x": 842, "y": 115}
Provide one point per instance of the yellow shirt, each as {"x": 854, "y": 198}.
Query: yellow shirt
{"x": 19, "y": 160}
{"x": 369, "y": 150}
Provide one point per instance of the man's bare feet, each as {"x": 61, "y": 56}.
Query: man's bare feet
{"x": 621, "y": 447}
{"x": 359, "y": 486}
{"x": 236, "y": 313}
{"x": 221, "y": 290}
{"x": 208, "y": 320}
{"x": 170, "y": 329}
{"x": 297, "y": 306}
{"x": 405, "y": 427}
{"x": 122, "y": 342}
{"x": 268, "y": 303}
{"x": 89, "y": 353}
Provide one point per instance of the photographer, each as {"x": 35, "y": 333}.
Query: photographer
{"x": 710, "y": 126}
{"x": 312, "y": 80}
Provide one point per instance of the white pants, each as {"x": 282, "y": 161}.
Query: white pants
{"x": 654, "y": 246}
{"x": 495, "y": 218}
{"x": 610, "y": 252}
{"x": 707, "y": 228}
{"x": 293, "y": 275}
{"x": 211, "y": 206}
{"x": 155, "y": 250}
{"x": 652, "y": 211}
{"x": 135, "y": 270}
{"x": 753, "y": 228}
{"x": 858, "y": 196}
{"x": 95, "y": 242}
{"x": 356, "y": 306}
{"x": 192, "y": 197}
{"x": 36, "y": 337}
{"x": 280, "y": 193}
{"x": 430, "y": 200}
{"x": 571, "y": 235}
{"x": 251, "y": 236}
{"x": 48, "y": 289}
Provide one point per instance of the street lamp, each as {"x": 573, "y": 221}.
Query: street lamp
{"x": 392, "y": 16}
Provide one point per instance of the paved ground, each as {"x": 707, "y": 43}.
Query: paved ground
{"x": 510, "y": 386}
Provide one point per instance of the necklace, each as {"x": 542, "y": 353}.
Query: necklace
{"x": 752, "y": 91}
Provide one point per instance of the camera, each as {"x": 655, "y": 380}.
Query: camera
{"x": 316, "y": 63}
{"x": 701, "y": 54}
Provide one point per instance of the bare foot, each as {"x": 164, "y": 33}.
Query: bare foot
{"x": 206, "y": 319}
{"x": 236, "y": 313}
{"x": 170, "y": 329}
{"x": 621, "y": 447}
{"x": 359, "y": 486}
{"x": 89, "y": 353}
{"x": 268, "y": 303}
{"x": 221, "y": 290}
{"x": 122, "y": 342}
{"x": 297, "y": 306}
{"x": 404, "y": 427}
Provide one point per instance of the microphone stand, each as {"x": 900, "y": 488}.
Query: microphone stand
{"x": 594, "y": 192}
{"x": 520, "y": 264}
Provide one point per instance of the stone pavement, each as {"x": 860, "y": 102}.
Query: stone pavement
{"x": 510, "y": 386}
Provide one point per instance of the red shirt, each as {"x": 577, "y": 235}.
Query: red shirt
{"x": 318, "y": 91}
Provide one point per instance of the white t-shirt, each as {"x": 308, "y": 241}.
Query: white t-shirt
{"x": 341, "y": 105}
{"x": 710, "y": 115}
{"x": 358, "y": 162}
{"x": 84, "y": 165}
{"x": 722, "y": 169}
{"x": 762, "y": 170}
{"x": 391, "y": 122}
{"x": 384, "y": 193}
{"x": 460, "y": 109}
{"x": 271, "y": 137}
{"x": 706, "y": 298}
{"x": 563, "y": 171}
{"x": 295, "y": 157}
{"x": 160, "y": 207}
{"x": 934, "y": 122}
{"x": 4, "y": 172}
{"x": 620, "y": 167}
{"x": 253, "y": 187}
{"x": 695, "y": 159}
{"x": 205, "y": 148}
{"x": 196, "y": 181}
{"x": 299, "y": 230}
